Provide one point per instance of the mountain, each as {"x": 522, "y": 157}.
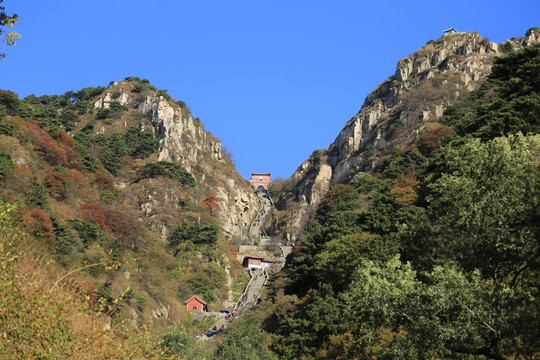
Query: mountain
{"x": 430, "y": 248}
{"x": 183, "y": 140}
{"x": 122, "y": 206}
{"x": 393, "y": 114}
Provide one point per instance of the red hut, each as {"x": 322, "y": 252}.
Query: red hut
{"x": 195, "y": 303}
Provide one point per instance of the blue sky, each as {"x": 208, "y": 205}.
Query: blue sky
{"x": 274, "y": 80}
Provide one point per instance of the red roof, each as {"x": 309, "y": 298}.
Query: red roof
{"x": 197, "y": 298}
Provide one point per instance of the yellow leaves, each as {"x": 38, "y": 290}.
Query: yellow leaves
{"x": 11, "y": 38}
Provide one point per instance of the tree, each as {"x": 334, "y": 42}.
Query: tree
{"x": 178, "y": 340}
{"x": 5, "y": 164}
{"x": 168, "y": 170}
{"x": 495, "y": 219}
{"x": 7, "y": 22}
{"x": 244, "y": 341}
{"x": 196, "y": 233}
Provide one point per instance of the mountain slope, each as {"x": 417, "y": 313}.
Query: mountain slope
{"x": 424, "y": 84}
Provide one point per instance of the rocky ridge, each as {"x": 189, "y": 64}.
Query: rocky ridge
{"x": 184, "y": 140}
{"x": 423, "y": 85}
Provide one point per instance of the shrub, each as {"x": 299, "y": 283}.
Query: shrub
{"x": 9, "y": 102}
{"x": 168, "y": 170}
{"x": 196, "y": 233}
{"x": 141, "y": 144}
{"x": 530, "y": 30}
{"x": 5, "y": 164}
{"x": 142, "y": 86}
{"x": 178, "y": 341}
{"x": 210, "y": 202}
{"x": 164, "y": 93}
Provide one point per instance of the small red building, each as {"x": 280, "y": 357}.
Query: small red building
{"x": 260, "y": 179}
{"x": 253, "y": 262}
{"x": 195, "y": 303}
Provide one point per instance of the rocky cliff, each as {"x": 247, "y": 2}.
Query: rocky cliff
{"x": 423, "y": 85}
{"x": 183, "y": 140}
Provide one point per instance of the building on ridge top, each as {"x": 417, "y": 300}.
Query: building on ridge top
{"x": 260, "y": 179}
{"x": 450, "y": 31}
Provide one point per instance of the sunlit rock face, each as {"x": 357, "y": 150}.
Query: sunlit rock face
{"x": 423, "y": 85}
{"x": 183, "y": 140}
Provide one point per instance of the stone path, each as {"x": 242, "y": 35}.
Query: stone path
{"x": 245, "y": 304}
{"x": 257, "y": 226}
{"x": 258, "y": 279}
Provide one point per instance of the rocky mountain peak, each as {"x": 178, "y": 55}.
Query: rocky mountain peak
{"x": 184, "y": 140}
{"x": 423, "y": 85}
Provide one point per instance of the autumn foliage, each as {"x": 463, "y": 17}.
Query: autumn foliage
{"x": 210, "y": 202}
{"x": 404, "y": 192}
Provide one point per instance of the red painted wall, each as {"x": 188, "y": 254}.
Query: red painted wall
{"x": 193, "y": 303}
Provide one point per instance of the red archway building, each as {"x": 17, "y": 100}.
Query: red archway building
{"x": 260, "y": 179}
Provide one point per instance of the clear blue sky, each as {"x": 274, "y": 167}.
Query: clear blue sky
{"x": 274, "y": 80}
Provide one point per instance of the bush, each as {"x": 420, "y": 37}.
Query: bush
{"x": 5, "y": 164}
{"x": 9, "y": 102}
{"x": 530, "y": 30}
{"x": 196, "y": 233}
{"x": 142, "y": 86}
{"x": 168, "y": 170}
{"x": 141, "y": 144}
{"x": 178, "y": 340}
{"x": 164, "y": 94}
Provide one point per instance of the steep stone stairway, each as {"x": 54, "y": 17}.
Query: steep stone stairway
{"x": 257, "y": 227}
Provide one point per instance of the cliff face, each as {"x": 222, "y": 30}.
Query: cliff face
{"x": 424, "y": 84}
{"x": 183, "y": 140}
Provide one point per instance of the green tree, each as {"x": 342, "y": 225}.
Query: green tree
{"x": 141, "y": 144}
{"x": 178, "y": 341}
{"x": 5, "y": 164}
{"x": 244, "y": 341}
{"x": 69, "y": 119}
{"x": 195, "y": 233}
{"x": 38, "y": 197}
{"x": 495, "y": 220}
{"x": 166, "y": 169}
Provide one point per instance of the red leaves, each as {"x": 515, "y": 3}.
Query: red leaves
{"x": 94, "y": 213}
{"x": 55, "y": 182}
{"x": 42, "y": 225}
{"x": 53, "y": 152}
{"x": 109, "y": 220}
{"x": 211, "y": 203}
